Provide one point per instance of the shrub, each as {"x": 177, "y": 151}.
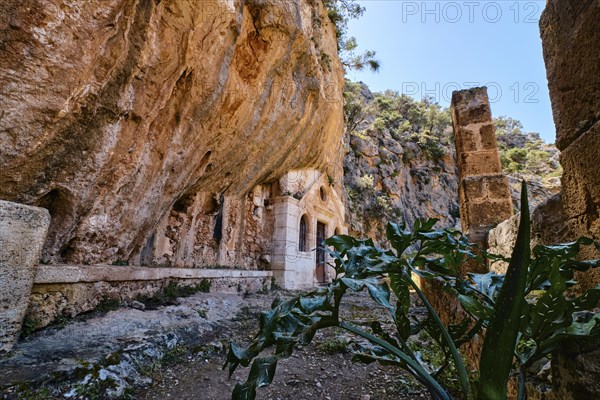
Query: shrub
{"x": 521, "y": 327}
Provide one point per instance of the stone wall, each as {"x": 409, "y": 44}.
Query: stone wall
{"x": 208, "y": 230}
{"x": 571, "y": 43}
{"x": 306, "y": 194}
{"x": 69, "y": 290}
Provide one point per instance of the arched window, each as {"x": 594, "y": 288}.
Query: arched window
{"x": 302, "y": 239}
{"x": 323, "y": 194}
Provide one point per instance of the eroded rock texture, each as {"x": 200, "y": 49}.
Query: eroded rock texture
{"x": 483, "y": 190}
{"x": 22, "y": 233}
{"x": 113, "y": 111}
{"x": 571, "y": 41}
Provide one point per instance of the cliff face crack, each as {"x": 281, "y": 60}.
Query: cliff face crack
{"x": 587, "y": 125}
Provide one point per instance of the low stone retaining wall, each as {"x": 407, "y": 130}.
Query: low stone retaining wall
{"x": 68, "y": 290}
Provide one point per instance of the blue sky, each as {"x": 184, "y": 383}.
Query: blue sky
{"x": 434, "y": 47}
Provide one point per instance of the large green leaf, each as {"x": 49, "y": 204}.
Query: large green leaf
{"x": 342, "y": 243}
{"x": 502, "y": 333}
{"x": 551, "y": 312}
{"x": 399, "y": 237}
{"x": 588, "y": 301}
{"x": 576, "y": 331}
{"x": 263, "y": 371}
{"x": 487, "y": 284}
{"x": 244, "y": 391}
{"x": 381, "y": 294}
{"x": 474, "y": 307}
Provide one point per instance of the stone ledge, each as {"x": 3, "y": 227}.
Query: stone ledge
{"x": 47, "y": 274}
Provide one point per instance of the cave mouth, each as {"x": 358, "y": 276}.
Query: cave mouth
{"x": 60, "y": 205}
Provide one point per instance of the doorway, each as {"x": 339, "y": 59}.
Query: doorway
{"x": 321, "y": 278}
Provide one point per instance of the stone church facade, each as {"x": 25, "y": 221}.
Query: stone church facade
{"x": 277, "y": 227}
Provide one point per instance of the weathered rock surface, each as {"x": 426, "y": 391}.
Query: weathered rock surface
{"x": 571, "y": 42}
{"x": 483, "y": 191}
{"x": 119, "y": 344}
{"x": 575, "y": 371}
{"x": 390, "y": 174}
{"x": 22, "y": 233}
{"x": 570, "y": 39}
{"x": 398, "y": 191}
{"x": 115, "y": 110}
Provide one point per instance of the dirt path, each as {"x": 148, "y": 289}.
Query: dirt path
{"x": 175, "y": 351}
{"x": 323, "y": 370}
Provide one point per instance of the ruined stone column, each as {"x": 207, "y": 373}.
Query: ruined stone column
{"x": 23, "y": 231}
{"x": 484, "y": 195}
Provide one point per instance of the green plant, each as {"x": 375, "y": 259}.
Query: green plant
{"x": 340, "y": 12}
{"x": 108, "y": 304}
{"x": 25, "y": 392}
{"x": 201, "y": 312}
{"x": 204, "y": 286}
{"x": 170, "y": 293}
{"x": 333, "y": 345}
{"x": 29, "y": 326}
{"x": 521, "y": 327}
{"x": 325, "y": 61}
{"x": 503, "y": 329}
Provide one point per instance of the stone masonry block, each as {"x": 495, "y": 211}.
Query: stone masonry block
{"x": 471, "y": 189}
{"x": 498, "y": 187}
{"x": 479, "y": 188}
{"x": 489, "y": 213}
{"x": 470, "y": 106}
{"x": 476, "y": 137}
{"x": 487, "y": 133}
{"x": 466, "y": 140}
{"x": 23, "y": 231}
{"x": 581, "y": 180}
{"x": 485, "y": 162}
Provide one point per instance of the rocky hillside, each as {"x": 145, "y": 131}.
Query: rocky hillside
{"x": 113, "y": 111}
{"x": 400, "y": 161}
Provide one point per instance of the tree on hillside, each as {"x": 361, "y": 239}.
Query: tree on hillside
{"x": 356, "y": 107}
{"x": 340, "y": 12}
{"x": 522, "y": 152}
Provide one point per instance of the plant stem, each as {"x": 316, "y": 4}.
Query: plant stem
{"x": 497, "y": 354}
{"x": 460, "y": 366}
{"x": 522, "y": 391}
{"x": 417, "y": 369}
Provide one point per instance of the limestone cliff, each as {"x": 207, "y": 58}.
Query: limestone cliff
{"x": 400, "y": 161}
{"x": 399, "y": 164}
{"x": 113, "y": 112}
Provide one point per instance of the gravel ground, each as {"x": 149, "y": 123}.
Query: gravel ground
{"x": 322, "y": 370}
{"x": 176, "y": 351}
